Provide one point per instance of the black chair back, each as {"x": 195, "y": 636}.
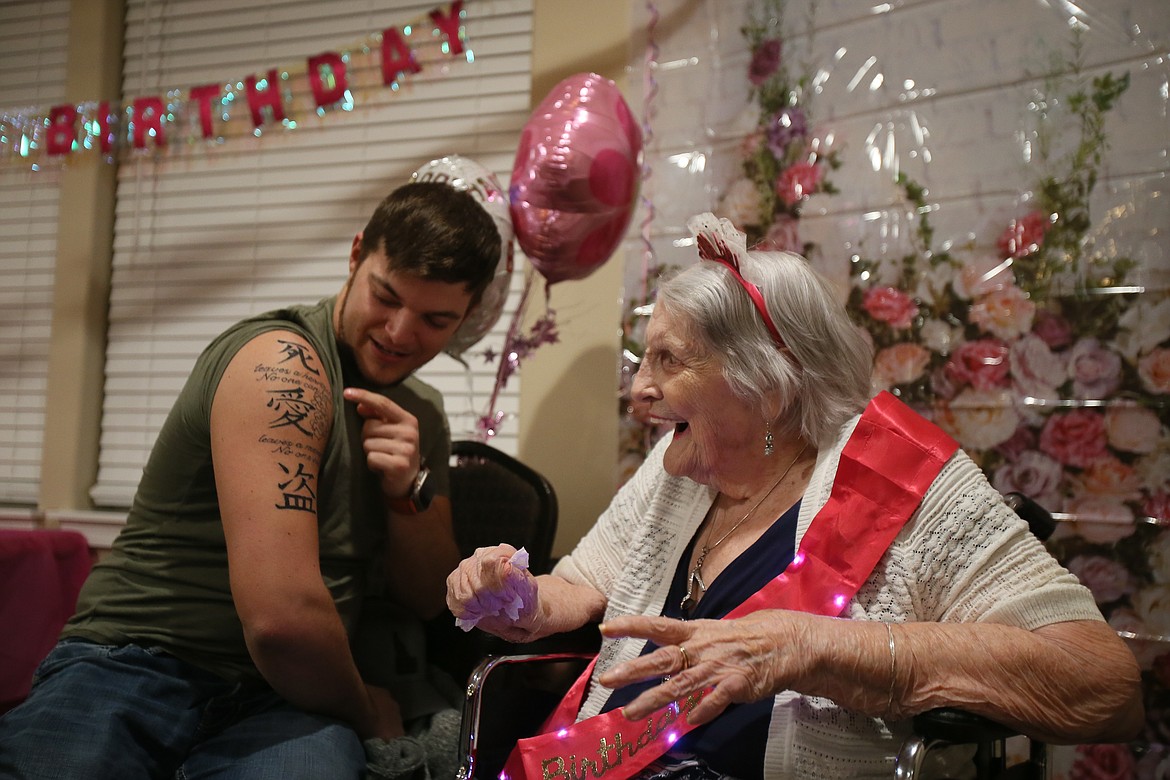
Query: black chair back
{"x": 522, "y": 690}
{"x": 496, "y": 498}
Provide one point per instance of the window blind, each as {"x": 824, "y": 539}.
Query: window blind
{"x": 33, "y": 44}
{"x": 211, "y": 231}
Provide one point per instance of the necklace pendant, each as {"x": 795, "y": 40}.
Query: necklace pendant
{"x": 695, "y": 588}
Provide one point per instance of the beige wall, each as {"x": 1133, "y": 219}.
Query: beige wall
{"x": 81, "y": 283}
{"x": 569, "y": 391}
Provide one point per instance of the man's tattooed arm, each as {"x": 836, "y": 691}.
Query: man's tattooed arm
{"x": 296, "y": 396}
{"x": 270, "y": 422}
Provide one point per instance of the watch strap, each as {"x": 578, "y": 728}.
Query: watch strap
{"x": 418, "y": 499}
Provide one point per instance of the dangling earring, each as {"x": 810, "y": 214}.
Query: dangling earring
{"x": 768, "y": 444}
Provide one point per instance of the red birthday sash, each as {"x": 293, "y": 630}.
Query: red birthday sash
{"x": 886, "y": 468}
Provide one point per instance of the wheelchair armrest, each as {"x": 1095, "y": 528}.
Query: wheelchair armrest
{"x": 508, "y": 697}
{"x": 457, "y": 652}
{"x": 1039, "y": 519}
{"x": 951, "y": 726}
{"x": 586, "y": 639}
{"x": 959, "y": 726}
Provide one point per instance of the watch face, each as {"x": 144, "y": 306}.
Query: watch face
{"x": 422, "y": 493}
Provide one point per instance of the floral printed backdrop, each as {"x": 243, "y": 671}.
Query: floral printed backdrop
{"x": 1020, "y": 300}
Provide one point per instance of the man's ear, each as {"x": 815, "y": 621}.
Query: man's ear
{"x": 355, "y": 253}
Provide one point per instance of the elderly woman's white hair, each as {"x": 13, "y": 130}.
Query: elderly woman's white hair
{"x": 819, "y": 377}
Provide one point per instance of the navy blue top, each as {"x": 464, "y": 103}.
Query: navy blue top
{"x": 733, "y": 743}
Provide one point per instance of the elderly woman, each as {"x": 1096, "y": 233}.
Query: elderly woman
{"x": 796, "y": 569}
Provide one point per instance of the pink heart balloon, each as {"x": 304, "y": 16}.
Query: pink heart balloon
{"x": 575, "y": 178}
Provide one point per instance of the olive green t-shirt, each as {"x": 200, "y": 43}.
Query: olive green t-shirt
{"x": 165, "y": 582}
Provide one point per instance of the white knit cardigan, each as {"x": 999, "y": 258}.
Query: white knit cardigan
{"x": 963, "y": 557}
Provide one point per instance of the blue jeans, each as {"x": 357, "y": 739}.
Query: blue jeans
{"x": 124, "y": 713}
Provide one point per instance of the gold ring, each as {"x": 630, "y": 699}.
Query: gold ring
{"x": 686, "y": 659}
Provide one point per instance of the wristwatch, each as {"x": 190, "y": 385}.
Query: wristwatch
{"x": 419, "y": 497}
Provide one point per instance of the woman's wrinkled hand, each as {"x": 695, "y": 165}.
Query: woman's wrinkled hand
{"x": 491, "y": 591}
{"x": 741, "y": 660}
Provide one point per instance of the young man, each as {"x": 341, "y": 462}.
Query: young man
{"x": 214, "y": 640}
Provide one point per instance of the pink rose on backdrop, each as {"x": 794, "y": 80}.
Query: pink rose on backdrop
{"x": 983, "y": 364}
{"x": 1157, "y": 505}
{"x": 1006, "y": 312}
{"x": 1024, "y": 235}
{"x": 783, "y": 236}
{"x": 983, "y": 275}
{"x": 978, "y": 419}
{"x": 1107, "y": 579}
{"x": 942, "y": 386}
{"x": 1108, "y": 476}
{"x": 797, "y": 182}
{"x": 1075, "y": 438}
{"x": 765, "y": 61}
{"x": 1152, "y": 604}
{"x": 1132, "y": 428}
{"x": 1053, "y": 328}
{"x": 1095, "y": 371}
{"x": 900, "y": 364}
{"x": 1037, "y": 371}
{"x": 1154, "y": 371}
{"x": 891, "y": 306}
{"x": 1035, "y": 475}
{"x": 1100, "y": 519}
{"x": 1103, "y": 762}
{"x": 1022, "y": 440}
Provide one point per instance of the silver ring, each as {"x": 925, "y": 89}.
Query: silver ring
{"x": 686, "y": 659}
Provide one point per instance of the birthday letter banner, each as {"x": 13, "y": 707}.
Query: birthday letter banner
{"x": 212, "y": 113}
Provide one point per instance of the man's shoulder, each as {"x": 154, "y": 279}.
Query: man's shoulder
{"x": 304, "y": 321}
{"x": 308, "y": 321}
{"x": 315, "y": 318}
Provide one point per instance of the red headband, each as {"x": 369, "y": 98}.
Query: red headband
{"x": 720, "y": 242}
